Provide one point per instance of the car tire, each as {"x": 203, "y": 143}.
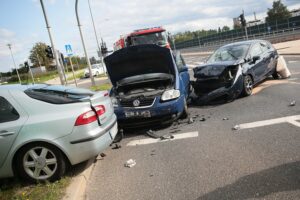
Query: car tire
{"x": 185, "y": 111}
{"x": 40, "y": 162}
{"x": 247, "y": 85}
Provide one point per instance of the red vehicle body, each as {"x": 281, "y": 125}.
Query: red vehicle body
{"x": 156, "y": 35}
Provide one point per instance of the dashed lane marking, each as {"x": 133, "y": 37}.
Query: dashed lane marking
{"x": 151, "y": 140}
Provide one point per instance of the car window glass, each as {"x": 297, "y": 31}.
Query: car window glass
{"x": 7, "y": 111}
{"x": 256, "y": 50}
{"x": 179, "y": 62}
{"x": 264, "y": 47}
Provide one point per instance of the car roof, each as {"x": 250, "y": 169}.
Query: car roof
{"x": 249, "y": 42}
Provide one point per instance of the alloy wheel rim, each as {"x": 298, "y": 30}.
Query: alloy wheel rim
{"x": 40, "y": 163}
{"x": 249, "y": 85}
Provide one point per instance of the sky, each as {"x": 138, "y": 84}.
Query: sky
{"x": 22, "y": 22}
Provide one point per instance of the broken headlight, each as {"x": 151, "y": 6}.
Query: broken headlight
{"x": 230, "y": 73}
{"x": 170, "y": 94}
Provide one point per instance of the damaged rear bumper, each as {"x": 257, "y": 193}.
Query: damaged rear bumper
{"x": 159, "y": 113}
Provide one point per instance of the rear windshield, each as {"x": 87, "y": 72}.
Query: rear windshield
{"x": 58, "y": 97}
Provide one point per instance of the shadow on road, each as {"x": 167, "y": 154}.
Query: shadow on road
{"x": 277, "y": 179}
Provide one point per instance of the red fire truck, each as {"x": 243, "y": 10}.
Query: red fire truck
{"x": 156, "y": 35}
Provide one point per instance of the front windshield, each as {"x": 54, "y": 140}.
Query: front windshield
{"x": 153, "y": 38}
{"x": 229, "y": 53}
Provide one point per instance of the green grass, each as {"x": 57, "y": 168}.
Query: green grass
{"x": 106, "y": 86}
{"x": 14, "y": 190}
{"x": 26, "y": 78}
{"x": 77, "y": 75}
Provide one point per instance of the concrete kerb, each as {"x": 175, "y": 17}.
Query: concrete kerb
{"x": 76, "y": 190}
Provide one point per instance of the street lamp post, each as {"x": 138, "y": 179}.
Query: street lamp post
{"x": 59, "y": 68}
{"x": 83, "y": 44}
{"x": 99, "y": 49}
{"x": 12, "y": 56}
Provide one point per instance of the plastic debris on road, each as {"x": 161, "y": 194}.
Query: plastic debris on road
{"x": 130, "y": 163}
{"x": 293, "y": 103}
{"x": 236, "y": 127}
{"x": 117, "y": 146}
{"x": 225, "y": 118}
{"x": 151, "y": 134}
{"x": 190, "y": 121}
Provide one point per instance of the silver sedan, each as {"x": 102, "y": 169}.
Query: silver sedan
{"x": 44, "y": 128}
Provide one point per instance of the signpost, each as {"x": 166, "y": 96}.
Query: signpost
{"x": 70, "y": 53}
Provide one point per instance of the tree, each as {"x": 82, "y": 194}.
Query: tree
{"x": 278, "y": 12}
{"x": 225, "y": 28}
{"x": 93, "y": 60}
{"x": 38, "y": 54}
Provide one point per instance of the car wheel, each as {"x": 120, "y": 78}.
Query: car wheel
{"x": 40, "y": 162}
{"x": 248, "y": 85}
{"x": 185, "y": 112}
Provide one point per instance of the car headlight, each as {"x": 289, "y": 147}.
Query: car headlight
{"x": 170, "y": 94}
{"x": 114, "y": 102}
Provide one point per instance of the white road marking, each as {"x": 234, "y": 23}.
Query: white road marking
{"x": 288, "y": 119}
{"x": 151, "y": 140}
{"x": 292, "y": 61}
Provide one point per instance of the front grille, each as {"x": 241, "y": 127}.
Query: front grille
{"x": 143, "y": 102}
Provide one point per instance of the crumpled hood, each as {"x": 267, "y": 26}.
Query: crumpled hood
{"x": 213, "y": 69}
{"x": 139, "y": 60}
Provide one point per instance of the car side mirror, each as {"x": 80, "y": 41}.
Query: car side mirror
{"x": 254, "y": 59}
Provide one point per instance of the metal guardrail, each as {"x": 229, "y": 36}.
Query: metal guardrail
{"x": 280, "y": 36}
{"x": 269, "y": 31}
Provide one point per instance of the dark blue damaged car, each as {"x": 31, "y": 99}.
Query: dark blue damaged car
{"x": 233, "y": 70}
{"x": 151, "y": 85}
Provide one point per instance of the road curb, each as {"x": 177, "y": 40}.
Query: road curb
{"x": 76, "y": 190}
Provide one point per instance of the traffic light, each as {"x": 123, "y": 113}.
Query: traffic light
{"x": 49, "y": 52}
{"x": 243, "y": 20}
{"x": 103, "y": 49}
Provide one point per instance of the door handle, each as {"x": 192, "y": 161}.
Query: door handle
{"x": 5, "y": 133}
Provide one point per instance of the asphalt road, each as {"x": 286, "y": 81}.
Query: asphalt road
{"x": 219, "y": 163}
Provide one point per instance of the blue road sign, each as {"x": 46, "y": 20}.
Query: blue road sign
{"x": 69, "y": 50}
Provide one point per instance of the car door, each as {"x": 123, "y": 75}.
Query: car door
{"x": 183, "y": 73}
{"x": 266, "y": 56}
{"x": 258, "y": 66}
{"x": 12, "y": 118}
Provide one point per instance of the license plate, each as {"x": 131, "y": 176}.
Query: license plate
{"x": 145, "y": 114}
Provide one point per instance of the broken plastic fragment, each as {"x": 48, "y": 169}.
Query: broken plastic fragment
{"x": 117, "y": 146}
{"x": 236, "y": 127}
{"x": 225, "y": 118}
{"x": 202, "y": 119}
{"x": 190, "y": 121}
{"x": 167, "y": 137}
{"x": 102, "y": 155}
{"x": 151, "y": 134}
{"x": 130, "y": 163}
{"x": 293, "y": 103}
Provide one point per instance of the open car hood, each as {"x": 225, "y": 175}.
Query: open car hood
{"x": 139, "y": 60}
{"x": 213, "y": 69}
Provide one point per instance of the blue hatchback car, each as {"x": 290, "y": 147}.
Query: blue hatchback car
{"x": 151, "y": 85}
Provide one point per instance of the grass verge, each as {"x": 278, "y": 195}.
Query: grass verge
{"x": 106, "y": 86}
{"x": 13, "y": 189}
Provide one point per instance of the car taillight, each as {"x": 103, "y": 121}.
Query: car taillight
{"x": 86, "y": 118}
{"x": 100, "y": 110}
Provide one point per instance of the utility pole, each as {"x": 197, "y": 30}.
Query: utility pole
{"x": 83, "y": 44}
{"x": 12, "y": 56}
{"x": 59, "y": 68}
{"x": 70, "y": 58}
{"x": 99, "y": 49}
